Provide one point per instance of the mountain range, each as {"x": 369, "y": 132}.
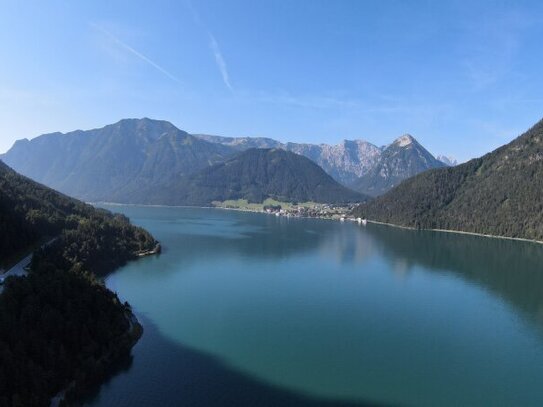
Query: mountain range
{"x": 346, "y": 161}
{"x": 113, "y": 163}
{"x": 357, "y": 164}
{"x": 500, "y": 193}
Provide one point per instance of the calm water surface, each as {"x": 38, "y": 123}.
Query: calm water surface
{"x": 251, "y": 309}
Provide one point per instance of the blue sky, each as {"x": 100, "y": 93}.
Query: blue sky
{"x": 463, "y": 77}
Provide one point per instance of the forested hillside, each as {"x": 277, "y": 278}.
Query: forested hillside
{"x": 30, "y": 212}
{"x": 500, "y": 193}
{"x": 255, "y": 174}
{"x": 59, "y": 326}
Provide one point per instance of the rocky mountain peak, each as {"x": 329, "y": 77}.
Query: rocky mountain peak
{"x": 402, "y": 159}
{"x": 404, "y": 140}
{"x": 448, "y": 160}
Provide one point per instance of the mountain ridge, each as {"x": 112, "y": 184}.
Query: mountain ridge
{"x": 255, "y": 175}
{"x": 402, "y": 159}
{"x": 346, "y": 161}
{"x": 500, "y": 194}
{"x": 98, "y": 163}
{"x": 114, "y": 161}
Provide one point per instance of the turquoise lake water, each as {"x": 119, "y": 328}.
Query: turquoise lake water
{"x": 251, "y": 309}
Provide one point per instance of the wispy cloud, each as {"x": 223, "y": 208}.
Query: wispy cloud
{"x": 213, "y": 46}
{"x": 135, "y": 52}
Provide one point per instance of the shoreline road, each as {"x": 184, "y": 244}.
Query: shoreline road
{"x": 16, "y": 271}
{"x": 19, "y": 269}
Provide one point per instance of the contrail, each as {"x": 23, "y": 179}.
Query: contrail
{"x": 213, "y": 45}
{"x": 220, "y": 60}
{"x": 136, "y": 53}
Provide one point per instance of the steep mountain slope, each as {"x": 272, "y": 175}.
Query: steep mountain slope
{"x": 241, "y": 143}
{"x": 500, "y": 193}
{"x": 345, "y": 162}
{"x": 30, "y": 212}
{"x": 101, "y": 164}
{"x": 404, "y": 158}
{"x": 255, "y": 174}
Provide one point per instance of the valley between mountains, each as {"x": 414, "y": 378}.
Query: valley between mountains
{"x": 152, "y": 162}
{"x": 145, "y": 161}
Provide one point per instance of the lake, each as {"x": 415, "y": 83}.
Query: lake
{"x": 246, "y": 309}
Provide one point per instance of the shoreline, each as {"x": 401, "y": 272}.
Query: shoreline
{"x": 131, "y": 336}
{"x": 149, "y": 205}
{"x": 460, "y": 232}
{"x": 206, "y": 207}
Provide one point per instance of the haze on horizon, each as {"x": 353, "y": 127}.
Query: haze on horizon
{"x": 462, "y": 78}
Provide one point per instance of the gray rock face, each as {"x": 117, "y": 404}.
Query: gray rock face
{"x": 346, "y": 162}
{"x": 241, "y": 143}
{"x": 404, "y": 158}
{"x": 447, "y": 160}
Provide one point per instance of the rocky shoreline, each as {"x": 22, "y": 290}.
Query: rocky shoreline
{"x": 156, "y": 250}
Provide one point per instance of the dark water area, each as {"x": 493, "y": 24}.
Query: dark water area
{"x": 192, "y": 379}
{"x": 249, "y": 309}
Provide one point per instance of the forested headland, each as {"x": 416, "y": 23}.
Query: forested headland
{"x": 60, "y": 327}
